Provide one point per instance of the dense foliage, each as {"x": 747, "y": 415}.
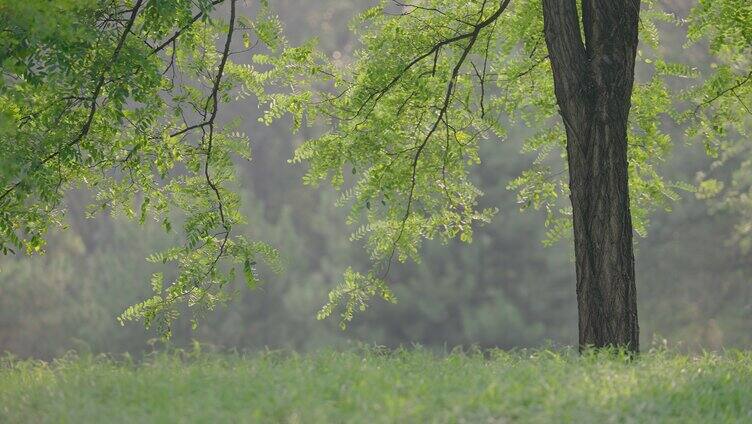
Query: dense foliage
{"x": 722, "y": 114}
{"x": 123, "y": 98}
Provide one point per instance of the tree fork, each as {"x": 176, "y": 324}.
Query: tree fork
{"x": 593, "y": 81}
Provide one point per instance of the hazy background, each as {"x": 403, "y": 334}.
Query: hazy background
{"x": 506, "y": 289}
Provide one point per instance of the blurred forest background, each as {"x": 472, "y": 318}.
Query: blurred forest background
{"x": 506, "y": 289}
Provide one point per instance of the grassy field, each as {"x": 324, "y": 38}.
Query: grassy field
{"x": 372, "y": 386}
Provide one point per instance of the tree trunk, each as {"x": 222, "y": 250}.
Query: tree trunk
{"x": 593, "y": 82}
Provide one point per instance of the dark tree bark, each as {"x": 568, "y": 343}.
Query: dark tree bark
{"x": 593, "y": 81}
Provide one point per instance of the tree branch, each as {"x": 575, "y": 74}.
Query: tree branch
{"x": 565, "y": 48}
{"x": 179, "y": 32}
{"x": 473, "y": 35}
{"x": 92, "y": 107}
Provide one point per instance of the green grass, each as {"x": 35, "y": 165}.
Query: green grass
{"x": 372, "y": 386}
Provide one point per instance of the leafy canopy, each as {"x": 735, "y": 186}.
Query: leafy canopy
{"x": 123, "y": 97}
{"x": 722, "y": 112}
